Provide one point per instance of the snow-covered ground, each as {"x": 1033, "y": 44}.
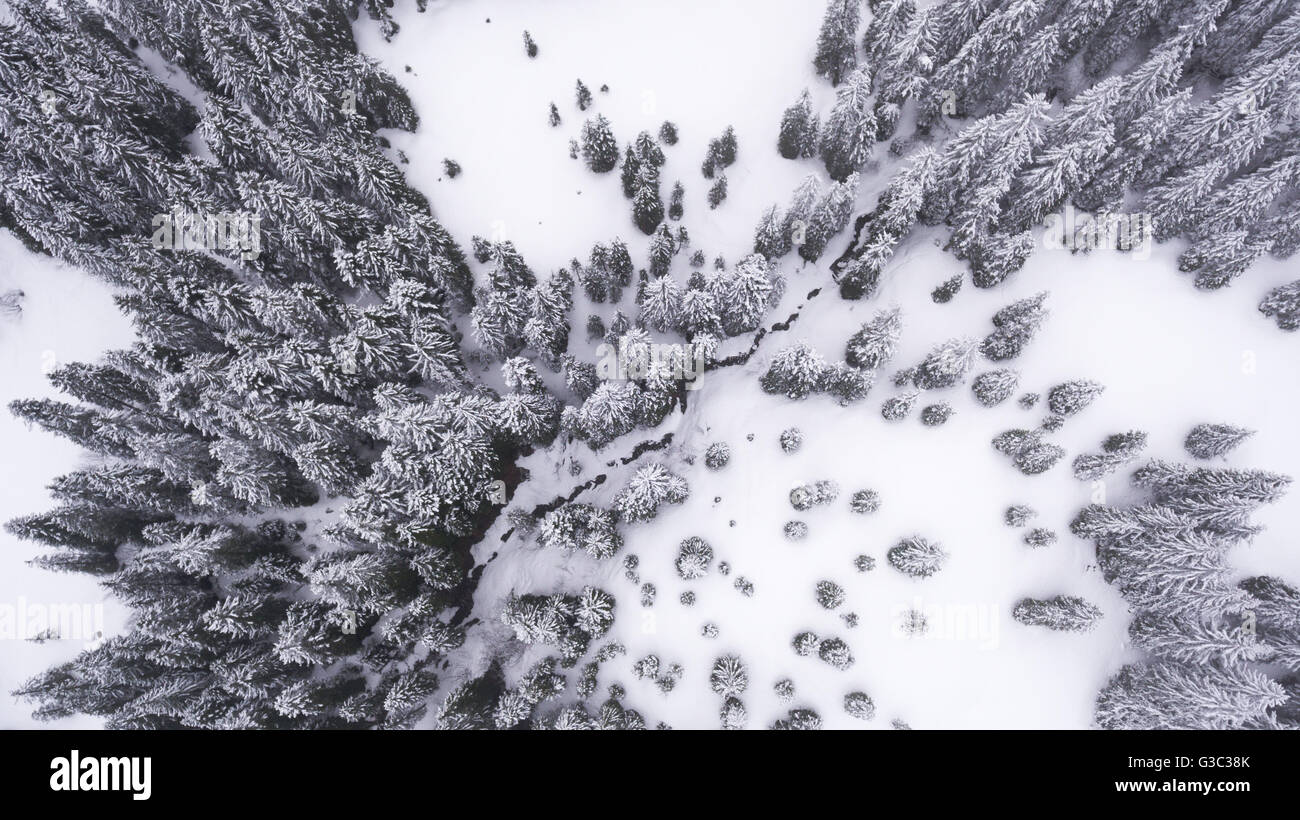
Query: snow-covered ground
{"x": 1170, "y": 357}
{"x": 66, "y": 317}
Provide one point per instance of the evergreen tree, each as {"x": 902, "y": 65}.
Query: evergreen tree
{"x": 599, "y": 147}
{"x": 800, "y": 127}
{"x": 872, "y": 346}
{"x": 946, "y": 365}
{"x": 917, "y": 557}
{"x": 1206, "y": 441}
{"x": 837, "y": 42}
{"x": 850, "y": 131}
{"x": 1064, "y": 613}
{"x": 796, "y": 372}
{"x": 1016, "y": 325}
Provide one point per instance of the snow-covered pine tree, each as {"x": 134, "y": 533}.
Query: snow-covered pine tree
{"x": 1064, "y": 613}
{"x": 599, "y": 146}
{"x": 829, "y": 217}
{"x": 873, "y": 345}
{"x": 800, "y": 128}
{"x": 1207, "y": 441}
{"x": 917, "y": 557}
{"x": 1015, "y": 326}
{"x": 796, "y": 372}
{"x": 850, "y": 130}
{"x": 837, "y": 43}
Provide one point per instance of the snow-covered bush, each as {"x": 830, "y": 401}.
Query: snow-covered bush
{"x": 917, "y": 557}
{"x": 936, "y": 414}
{"x": 1206, "y": 441}
{"x": 581, "y": 526}
{"x": 728, "y": 676}
{"x": 651, "y": 486}
{"x": 1071, "y": 397}
{"x": 807, "y": 496}
{"x": 835, "y": 652}
{"x": 791, "y": 439}
{"x": 864, "y": 502}
{"x": 1017, "y": 515}
{"x": 1065, "y": 613}
{"x": 805, "y": 643}
{"x": 896, "y": 408}
{"x": 795, "y": 530}
{"x": 1040, "y": 537}
{"x": 994, "y": 387}
{"x": 859, "y": 705}
{"x": 717, "y": 455}
{"x": 874, "y": 344}
{"x": 693, "y": 558}
{"x": 829, "y": 594}
{"x": 946, "y": 365}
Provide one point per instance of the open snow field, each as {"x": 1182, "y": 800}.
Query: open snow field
{"x": 1170, "y": 357}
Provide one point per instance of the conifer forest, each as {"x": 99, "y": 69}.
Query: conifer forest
{"x": 693, "y": 364}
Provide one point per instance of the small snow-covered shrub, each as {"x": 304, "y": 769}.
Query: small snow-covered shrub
{"x": 1207, "y": 441}
{"x": 950, "y": 287}
{"x": 859, "y": 705}
{"x": 709, "y": 630}
{"x": 647, "y": 667}
{"x": 796, "y": 530}
{"x": 864, "y": 563}
{"x": 784, "y": 690}
{"x": 835, "y": 652}
{"x": 1071, "y": 397}
{"x": 799, "y": 719}
{"x": 1017, "y": 515}
{"x": 850, "y": 619}
{"x": 728, "y": 677}
{"x": 864, "y": 502}
{"x": 693, "y": 558}
{"x": 733, "y": 714}
{"x": 807, "y": 496}
{"x": 687, "y": 598}
{"x": 744, "y": 586}
{"x": 913, "y": 623}
{"x": 581, "y": 526}
{"x": 791, "y": 439}
{"x": 717, "y": 455}
{"x": 896, "y": 408}
{"x": 829, "y": 594}
{"x": 1064, "y": 613}
{"x": 1028, "y": 401}
{"x": 805, "y": 643}
{"x": 648, "y": 593}
{"x": 651, "y": 486}
{"x": 917, "y": 557}
{"x": 1040, "y": 537}
{"x": 936, "y": 414}
{"x": 946, "y": 365}
{"x": 1116, "y": 451}
{"x": 994, "y": 387}
{"x": 1038, "y": 458}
